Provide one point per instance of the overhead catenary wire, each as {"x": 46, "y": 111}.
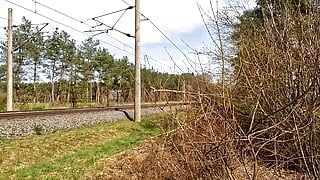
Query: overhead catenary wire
{"x": 196, "y": 53}
{"x": 121, "y": 10}
{"x": 79, "y": 31}
{"x": 118, "y": 20}
{"x": 67, "y": 26}
{"x": 36, "y": 2}
{"x": 124, "y": 1}
{"x": 83, "y": 22}
{"x": 174, "y": 44}
{"x": 101, "y": 23}
{"x": 6, "y": 19}
{"x": 164, "y": 35}
{"x": 51, "y": 19}
{"x": 106, "y": 31}
{"x": 157, "y": 61}
{"x": 162, "y": 65}
{"x": 175, "y": 64}
{"x": 38, "y": 31}
{"x": 112, "y": 28}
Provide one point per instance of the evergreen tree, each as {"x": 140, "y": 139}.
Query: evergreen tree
{"x": 88, "y": 50}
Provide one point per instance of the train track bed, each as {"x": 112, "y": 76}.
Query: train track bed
{"x": 20, "y": 124}
{"x": 4, "y": 116}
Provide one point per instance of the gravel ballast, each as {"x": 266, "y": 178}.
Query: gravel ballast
{"x": 26, "y": 126}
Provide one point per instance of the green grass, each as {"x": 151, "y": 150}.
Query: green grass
{"x": 70, "y": 154}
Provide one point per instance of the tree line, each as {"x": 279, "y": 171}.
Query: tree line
{"x": 55, "y": 69}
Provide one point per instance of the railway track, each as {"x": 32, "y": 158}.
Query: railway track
{"x": 19, "y": 124}
{"x": 53, "y": 112}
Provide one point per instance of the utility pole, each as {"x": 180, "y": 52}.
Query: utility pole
{"x": 9, "y": 64}
{"x": 137, "y": 99}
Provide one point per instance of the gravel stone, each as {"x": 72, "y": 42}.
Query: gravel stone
{"x": 21, "y": 127}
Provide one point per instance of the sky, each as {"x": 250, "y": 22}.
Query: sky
{"x": 179, "y": 20}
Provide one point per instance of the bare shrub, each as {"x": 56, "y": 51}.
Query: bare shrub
{"x": 279, "y": 69}
{"x": 263, "y": 116}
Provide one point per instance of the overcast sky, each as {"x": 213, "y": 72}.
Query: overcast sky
{"x": 179, "y": 20}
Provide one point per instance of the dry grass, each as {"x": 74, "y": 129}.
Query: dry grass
{"x": 124, "y": 165}
{"x": 170, "y": 157}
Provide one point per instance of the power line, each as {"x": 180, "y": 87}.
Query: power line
{"x": 125, "y": 2}
{"x": 101, "y": 23}
{"x": 163, "y": 34}
{"x": 38, "y": 32}
{"x": 6, "y": 19}
{"x": 172, "y": 59}
{"x": 111, "y": 28}
{"x": 84, "y": 22}
{"x": 176, "y": 46}
{"x": 67, "y": 26}
{"x": 157, "y": 61}
{"x": 122, "y": 14}
{"x": 106, "y": 31}
{"x": 102, "y": 31}
{"x": 36, "y": 2}
{"x": 43, "y": 16}
{"x": 75, "y": 19}
{"x": 128, "y": 8}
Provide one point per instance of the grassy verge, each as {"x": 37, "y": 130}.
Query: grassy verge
{"x": 70, "y": 154}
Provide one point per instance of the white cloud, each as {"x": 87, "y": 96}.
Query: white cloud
{"x": 169, "y": 15}
{"x": 175, "y": 17}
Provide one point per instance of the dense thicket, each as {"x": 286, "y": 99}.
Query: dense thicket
{"x": 264, "y": 120}
{"x": 279, "y": 84}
